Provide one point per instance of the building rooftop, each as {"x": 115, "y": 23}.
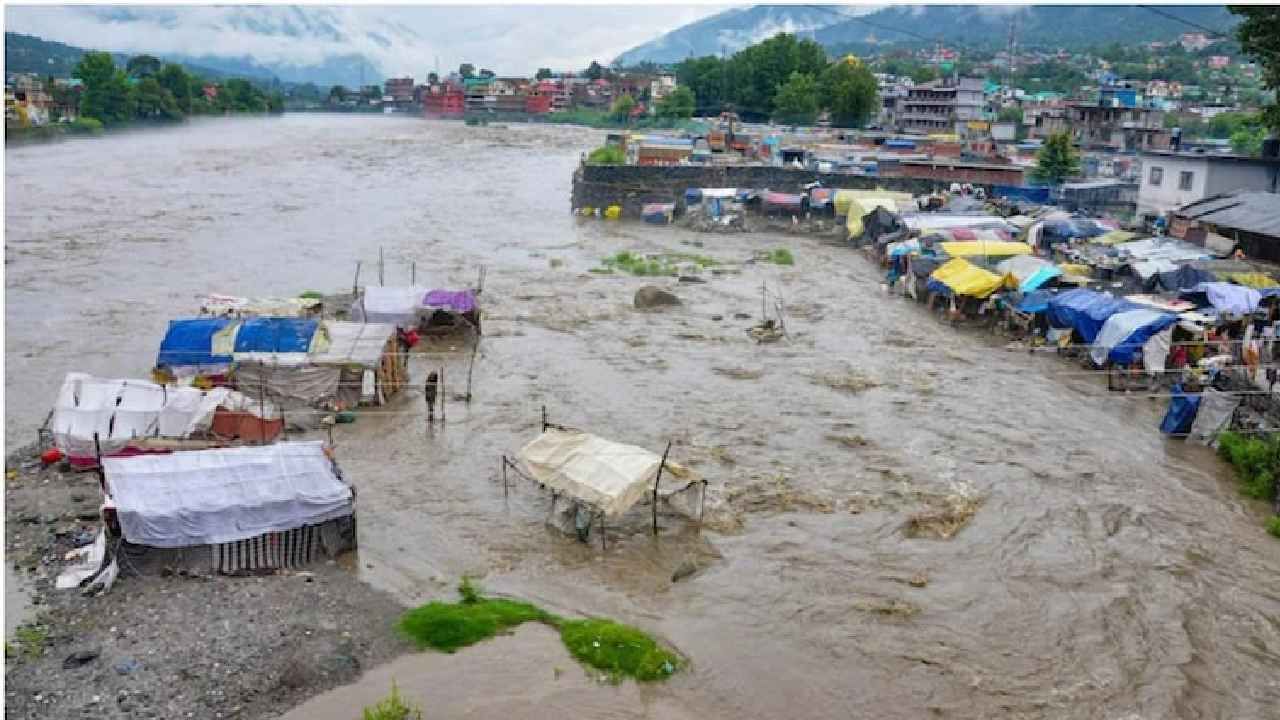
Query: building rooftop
{"x": 1217, "y": 157}
{"x": 1255, "y": 212}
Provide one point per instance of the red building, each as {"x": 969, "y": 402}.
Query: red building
{"x": 443, "y": 101}
{"x": 537, "y": 103}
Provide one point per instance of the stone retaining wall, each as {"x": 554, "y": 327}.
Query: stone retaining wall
{"x": 631, "y": 186}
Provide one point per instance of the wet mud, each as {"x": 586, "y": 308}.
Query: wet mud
{"x": 904, "y": 519}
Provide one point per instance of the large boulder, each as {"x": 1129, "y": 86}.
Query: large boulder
{"x": 649, "y": 297}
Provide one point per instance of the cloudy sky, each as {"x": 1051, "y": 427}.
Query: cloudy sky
{"x": 400, "y": 39}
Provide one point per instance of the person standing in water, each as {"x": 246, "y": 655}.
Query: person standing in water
{"x": 429, "y": 393}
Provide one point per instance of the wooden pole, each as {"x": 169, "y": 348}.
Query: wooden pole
{"x": 504, "y": 477}
{"x": 380, "y": 266}
{"x": 544, "y": 418}
{"x": 443, "y": 417}
{"x": 355, "y": 284}
{"x": 472, "y": 365}
{"x": 97, "y": 454}
{"x": 603, "y": 535}
{"x": 657, "y": 479}
{"x": 413, "y": 274}
{"x": 763, "y": 312}
{"x": 702, "y": 501}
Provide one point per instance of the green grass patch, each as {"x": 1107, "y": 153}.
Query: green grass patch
{"x": 780, "y": 256}
{"x": 607, "y": 155}
{"x": 1273, "y": 526}
{"x": 1256, "y": 461}
{"x": 311, "y": 295}
{"x": 392, "y": 707}
{"x": 658, "y": 265}
{"x": 618, "y": 650}
{"x": 31, "y": 639}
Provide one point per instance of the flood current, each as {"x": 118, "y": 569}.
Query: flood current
{"x": 1108, "y": 572}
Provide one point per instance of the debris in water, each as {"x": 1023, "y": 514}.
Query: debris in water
{"x": 739, "y": 373}
{"x": 942, "y": 523}
{"x": 849, "y": 441}
{"x": 851, "y": 381}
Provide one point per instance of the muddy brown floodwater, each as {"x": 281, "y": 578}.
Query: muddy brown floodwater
{"x": 1107, "y": 573}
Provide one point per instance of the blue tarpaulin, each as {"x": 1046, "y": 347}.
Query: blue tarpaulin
{"x": 693, "y": 196}
{"x": 1020, "y": 192}
{"x": 273, "y": 334}
{"x": 190, "y": 342}
{"x": 1124, "y": 333}
{"x": 1181, "y": 414}
{"x": 1035, "y": 302}
{"x": 1085, "y": 311}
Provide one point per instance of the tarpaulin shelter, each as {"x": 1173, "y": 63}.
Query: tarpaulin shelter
{"x": 371, "y": 364}
{"x": 821, "y": 198}
{"x": 882, "y": 226}
{"x": 215, "y": 304}
{"x": 942, "y": 221}
{"x": 960, "y": 277}
{"x": 1255, "y": 280}
{"x": 657, "y": 213}
{"x": 971, "y": 234}
{"x": 123, "y": 413}
{"x": 782, "y": 202}
{"x": 985, "y": 248}
{"x": 860, "y": 207}
{"x": 844, "y": 198}
{"x": 606, "y": 476}
{"x": 1181, "y": 414}
{"x": 189, "y": 343}
{"x": 1085, "y": 311}
{"x": 1182, "y": 278}
{"x": 1034, "y": 302}
{"x": 225, "y": 495}
{"x": 1124, "y": 333}
{"x": 1028, "y": 271}
{"x": 1226, "y": 298}
{"x": 281, "y": 340}
{"x": 398, "y": 306}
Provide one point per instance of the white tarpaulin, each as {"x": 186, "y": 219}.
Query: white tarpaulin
{"x": 204, "y": 497}
{"x": 1118, "y": 328}
{"x": 719, "y": 193}
{"x": 119, "y": 410}
{"x": 395, "y": 305}
{"x": 1155, "y": 353}
{"x": 354, "y": 344}
{"x": 609, "y": 476}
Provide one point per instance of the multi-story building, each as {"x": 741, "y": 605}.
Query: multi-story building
{"x": 398, "y": 91}
{"x": 443, "y": 100}
{"x": 941, "y": 106}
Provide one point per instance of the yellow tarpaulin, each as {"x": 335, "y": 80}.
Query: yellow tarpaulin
{"x": 1254, "y": 279}
{"x": 860, "y": 206}
{"x": 1074, "y": 269}
{"x": 844, "y": 197}
{"x": 965, "y": 278}
{"x": 988, "y": 248}
{"x": 1115, "y": 237}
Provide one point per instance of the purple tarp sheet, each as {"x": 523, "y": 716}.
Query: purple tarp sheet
{"x": 460, "y": 301}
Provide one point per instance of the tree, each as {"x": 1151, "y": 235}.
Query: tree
{"x": 923, "y": 74}
{"x": 796, "y": 101}
{"x": 622, "y": 107}
{"x": 336, "y": 94}
{"x": 754, "y": 73}
{"x": 542, "y": 74}
{"x": 432, "y": 78}
{"x": 1057, "y": 160}
{"x": 1248, "y": 140}
{"x": 849, "y": 92}
{"x": 705, "y": 77}
{"x": 594, "y": 71}
{"x": 177, "y": 82}
{"x": 106, "y": 91}
{"x": 466, "y": 70}
{"x": 679, "y": 103}
{"x": 150, "y": 101}
{"x": 1259, "y": 35}
{"x": 142, "y": 66}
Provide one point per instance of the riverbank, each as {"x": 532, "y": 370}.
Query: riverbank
{"x": 90, "y": 128}
{"x": 173, "y": 642}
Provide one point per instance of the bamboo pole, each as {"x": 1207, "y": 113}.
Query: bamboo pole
{"x": 443, "y": 417}
{"x": 657, "y": 479}
{"x": 475, "y": 347}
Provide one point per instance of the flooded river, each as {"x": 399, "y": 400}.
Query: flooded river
{"x": 1107, "y": 572}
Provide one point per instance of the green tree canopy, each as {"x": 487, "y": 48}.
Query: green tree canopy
{"x": 679, "y": 103}
{"x": 754, "y": 73}
{"x": 622, "y": 107}
{"x": 705, "y": 77}
{"x": 796, "y": 101}
{"x": 466, "y": 70}
{"x": 849, "y": 91}
{"x": 151, "y": 101}
{"x": 1259, "y": 35}
{"x": 594, "y": 71}
{"x": 178, "y": 83}
{"x": 542, "y": 74}
{"x": 141, "y": 66}
{"x": 1057, "y": 160}
{"x": 106, "y": 91}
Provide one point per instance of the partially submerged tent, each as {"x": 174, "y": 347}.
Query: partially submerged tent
{"x": 844, "y": 198}
{"x": 782, "y": 202}
{"x": 607, "y": 477}
{"x": 229, "y": 496}
{"x": 372, "y": 367}
{"x": 657, "y": 213}
{"x": 395, "y": 305}
{"x": 126, "y": 414}
{"x": 280, "y": 340}
{"x": 1226, "y": 298}
{"x": 1085, "y": 311}
{"x": 858, "y": 207}
{"x": 961, "y": 277}
{"x": 1126, "y": 332}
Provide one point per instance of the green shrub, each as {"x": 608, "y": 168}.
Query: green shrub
{"x": 782, "y": 256}
{"x": 1256, "y": 462}
{"x": 392, "y": 707}
{"x": 85, "y": 126}
{"x": 607, "y": 155}
{"x": 617, "y": 649}
{"x": 1273, "y": 526}
{"x": 311, "y": 295}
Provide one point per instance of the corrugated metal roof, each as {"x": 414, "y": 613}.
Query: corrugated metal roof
{"x": 1255, "y": 212}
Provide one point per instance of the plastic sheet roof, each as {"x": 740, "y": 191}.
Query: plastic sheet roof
{"x": 1255, "y": 212}
{"x": 354, "y": 343}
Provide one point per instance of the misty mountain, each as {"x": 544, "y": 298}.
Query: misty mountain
{"x": 1072, "y": 27}
{"x": 30, "y": 54}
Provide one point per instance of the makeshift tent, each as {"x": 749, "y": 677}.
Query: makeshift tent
{"x": 1182, "y": 278}
{"x": 1114, "y": 237}
{"x": 969, "y": 234}
{"x": 372, "y": 365}
{"x": 941, "y": 221}
{"x": 882, "y": 226}
{"x": 124, "y": 412}
{"x": 657, "y": 213}
{"x": 205, "y": 497}
{"x": 1213, "y": 416}
{"x": 859, "y": 207}
{"x": 843, "y": 198}
{"x": 1181, "y": 413}
{"x": 1029, "y": 272}
{"x": 1255, "y": 280}
{"x": 1226, "y": 298}
{"x": 189, "y": 342}
{"x": 960, "y": 277}
{"x": 1085, "y": 311}
{"x": 459, "y": 301}
{"x": 983, "y": 248}
{"x": 279, "y": 307}
{"x": 284, "y": 341}
{"x": 609, "y": 477}
{"x": 396, "y": 305}
{"x": 783, "y": 202}
{"x": 1125, "y": 332}
{"x": 821, "y": 197}
{"x": 1035, "y": 302}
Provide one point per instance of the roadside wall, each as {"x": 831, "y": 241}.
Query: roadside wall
{"x": 631, "y": 186}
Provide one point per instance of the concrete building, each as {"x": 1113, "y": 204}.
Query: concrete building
{"x": 1117, "y": 128}
{"x": 1173, "y": 179}
{"x": 957, "y": 171}
{"x": 1249, "y": 221}
{"x": 941, "y": 105}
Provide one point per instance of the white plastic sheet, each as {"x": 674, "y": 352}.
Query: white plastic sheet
{"x": 395, "y": 305}
{"x": 1155, "y": 352}
{"x": 1214, "y": 415}
{"x": 1117, "y": 329}
{"x": 217, "y": 496}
